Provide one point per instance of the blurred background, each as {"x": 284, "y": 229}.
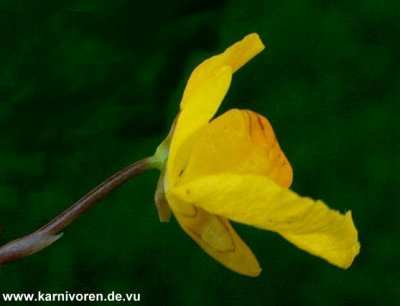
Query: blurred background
{"x": 87, "y": 87}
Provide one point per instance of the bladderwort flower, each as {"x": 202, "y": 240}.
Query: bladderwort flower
{"x": 216, "y": 170}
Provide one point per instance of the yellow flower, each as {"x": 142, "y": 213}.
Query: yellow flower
{"x": 233, "y": 168}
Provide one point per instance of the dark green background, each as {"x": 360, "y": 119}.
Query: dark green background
{"x": 87, "y": 87}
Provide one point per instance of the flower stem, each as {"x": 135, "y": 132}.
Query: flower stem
{"x": 49, "y": 233}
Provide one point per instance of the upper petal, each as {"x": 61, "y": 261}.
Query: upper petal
{"x": 193, "y": 118}
{"x": 202, "y": 97}
{"x": 235, "y": 56}
{"x": 241, "y": 142}
{"x": 258, "y": 201}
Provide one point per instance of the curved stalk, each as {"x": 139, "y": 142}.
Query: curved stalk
{"x": 49, "y": 233}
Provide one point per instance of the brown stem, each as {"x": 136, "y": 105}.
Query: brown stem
{"x": 50, "y": 232}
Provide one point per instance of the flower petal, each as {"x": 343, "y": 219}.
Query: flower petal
{"x": 235, "y": 56}
{"x": 241, "y": 142}
{"x": 202, "y": 97}
{"x": 258, "y": 201}
{"x": 218, "y": 239}
{"x": 193, "y": 118}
